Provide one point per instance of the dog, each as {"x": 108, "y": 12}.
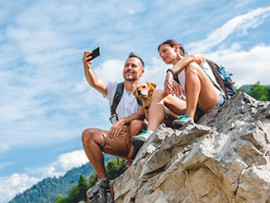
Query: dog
{"x": 144, "y": 91}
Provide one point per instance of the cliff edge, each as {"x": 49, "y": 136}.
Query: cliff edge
{"x": 223, "y": 158}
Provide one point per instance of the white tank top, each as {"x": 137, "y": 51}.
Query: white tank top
{"x": 206, "y": 68}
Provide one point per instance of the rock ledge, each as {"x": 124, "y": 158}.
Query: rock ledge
{"x": 223, "y": 158}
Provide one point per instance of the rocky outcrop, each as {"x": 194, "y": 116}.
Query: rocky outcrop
{"x": 223, "y": 158}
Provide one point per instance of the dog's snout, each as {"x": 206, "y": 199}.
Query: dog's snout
{"x": 139, "y": 92}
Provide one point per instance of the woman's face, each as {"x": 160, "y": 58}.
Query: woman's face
{"x": 168, "y": 54}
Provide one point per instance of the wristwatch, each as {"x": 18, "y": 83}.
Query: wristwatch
{"x": 169, "y": 70}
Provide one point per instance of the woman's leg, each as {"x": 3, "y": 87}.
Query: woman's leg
{"x": 200, "y": 89}
{"x": 157, "y": 112}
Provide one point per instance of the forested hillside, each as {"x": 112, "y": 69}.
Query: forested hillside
{"x": 47, "y": 189}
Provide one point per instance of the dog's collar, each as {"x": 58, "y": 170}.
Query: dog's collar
{"x": 147, "y": 107}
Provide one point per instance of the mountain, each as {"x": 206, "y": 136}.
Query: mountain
{"x": 47, "y": 189}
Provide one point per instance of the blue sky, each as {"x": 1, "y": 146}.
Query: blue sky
{"x": 46, "y": 102}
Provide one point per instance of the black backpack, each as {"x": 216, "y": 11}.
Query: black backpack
{"x": 223, "y": 78}
{"x": 116, "y": 99}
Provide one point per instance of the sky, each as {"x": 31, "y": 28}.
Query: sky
{"x": 45, "y": 101}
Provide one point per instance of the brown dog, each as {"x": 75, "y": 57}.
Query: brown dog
{"x": 144, "y": 91}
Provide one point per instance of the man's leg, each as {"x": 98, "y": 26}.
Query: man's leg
{"x": 93, "y": 139}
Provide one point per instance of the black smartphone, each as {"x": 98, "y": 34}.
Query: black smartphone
{"x": 95, "y": 53}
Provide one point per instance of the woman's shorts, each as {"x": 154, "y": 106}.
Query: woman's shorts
{"x": 200, "y": 112}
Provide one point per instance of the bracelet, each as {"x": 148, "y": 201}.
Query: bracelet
{"x": 169, "y": 70}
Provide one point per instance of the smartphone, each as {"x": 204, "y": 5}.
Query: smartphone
{"x": 95, "y": 53}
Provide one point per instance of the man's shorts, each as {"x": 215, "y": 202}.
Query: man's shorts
{"x": 121, "y": 146}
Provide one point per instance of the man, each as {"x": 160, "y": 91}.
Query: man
{"x": 116, "y": 141}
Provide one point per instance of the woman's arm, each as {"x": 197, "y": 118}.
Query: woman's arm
{"x": 185, "y": 61}
{"x": 177, "y": 68}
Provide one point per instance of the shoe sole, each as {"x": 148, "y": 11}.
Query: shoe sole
{"x": 138, "y": 143}
{"x": 180, "y": 125}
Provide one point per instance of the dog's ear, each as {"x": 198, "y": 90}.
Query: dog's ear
{"x": 152, "y": 86}
{"x": 135, "y": 93}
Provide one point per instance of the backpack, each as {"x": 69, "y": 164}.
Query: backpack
{"x": 223, "y": 78}
{"x": 116, "y": 99}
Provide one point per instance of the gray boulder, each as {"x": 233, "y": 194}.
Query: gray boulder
{"x": 225, "y": 157}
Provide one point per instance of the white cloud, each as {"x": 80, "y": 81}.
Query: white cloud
{"x": 155, "y": 72}
{"x": 238, "y": 24}
{"x": 248, "y": 67}
{"x": 111, "y": 70}
{"x": 14, "y": 184}
{"x": 17, "y": 183}
{"x": 64, "y": 163}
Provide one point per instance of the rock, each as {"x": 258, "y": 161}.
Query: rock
{"x": 225, "y": 157}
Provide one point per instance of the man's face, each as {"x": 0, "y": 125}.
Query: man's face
{"x": 133, "y": 69}
{"x": 167, "y": 53}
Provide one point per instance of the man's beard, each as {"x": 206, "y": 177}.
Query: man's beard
{"x": 131, "y": 78}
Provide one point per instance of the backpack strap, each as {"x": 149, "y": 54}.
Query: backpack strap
{"x": 139, "y": 101}
{"x": 175, "y": 77}
{"x": 216, "y": 69}
{"x": 117, "y": 97}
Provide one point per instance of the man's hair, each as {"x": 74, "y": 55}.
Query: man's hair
{"x": 131, "y": 55}
{"x": 173, "y": 43}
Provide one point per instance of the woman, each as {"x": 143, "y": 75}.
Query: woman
{"x": 195, "y": 78}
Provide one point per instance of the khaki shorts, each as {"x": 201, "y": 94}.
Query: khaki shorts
{"x": 121, "y": 146}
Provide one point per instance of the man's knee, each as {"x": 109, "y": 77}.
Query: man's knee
{"x": 89, "y": 135}
{"x": 136, "y": 124}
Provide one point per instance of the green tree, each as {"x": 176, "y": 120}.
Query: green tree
{"x": 61, "y": 199}
{"x": 260, "y": 92}
{"x": 93, "y": 179}
{"x": 78, "y": 191}
{"x": 83, "y": 186}
{"x": 257, "y": 91}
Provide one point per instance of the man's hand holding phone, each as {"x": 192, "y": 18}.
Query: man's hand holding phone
{"x": 93, "y": 54}
{"x": 90, "y": 55}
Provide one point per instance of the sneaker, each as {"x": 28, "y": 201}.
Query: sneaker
{"x": 184, "y": 120}
{"x": 100, "y": 192}
{"x": 140, "y": 139}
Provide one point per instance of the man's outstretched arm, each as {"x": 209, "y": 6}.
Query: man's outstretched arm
{"x": 91, "y": 76}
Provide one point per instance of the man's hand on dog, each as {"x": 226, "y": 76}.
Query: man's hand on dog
{"x": 115, "y": 129}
